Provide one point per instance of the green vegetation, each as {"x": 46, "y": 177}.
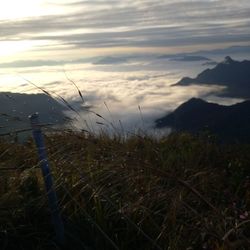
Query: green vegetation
{"x": 179, "y": 192}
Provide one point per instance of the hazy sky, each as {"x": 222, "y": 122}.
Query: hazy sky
{"x": 66, "y": 29}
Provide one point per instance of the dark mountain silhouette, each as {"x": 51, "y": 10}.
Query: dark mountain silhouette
{"x": 226, "y": 51}
{"x": 16, "y": 107}
{"x": 229, "y": 123}
{"x": 234, "y": 50}
{"x": 210, "y": 63}
{"x": 232, "y": 74}
{"x": 110, "y": 60}
{"x": 184, "y": 58}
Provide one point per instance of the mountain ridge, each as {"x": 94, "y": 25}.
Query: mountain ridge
{"x": 229, "y": 123}
{"x": 16, "y": 107}
{"x": 234, "y": 75}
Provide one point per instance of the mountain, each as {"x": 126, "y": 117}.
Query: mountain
{"x": 233, "y": 50}
{"x": 229, "y": 123}
{"x": 190, "y": 58}
{"x": 184, "y": 58}
{"x": 230, "y": 73}
{"x": 16, "y": 107}
{"x": 210, "y": 63}
{"x": 110, "y": 60}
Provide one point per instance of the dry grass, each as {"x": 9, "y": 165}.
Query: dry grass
{"x": 180, "y": 192}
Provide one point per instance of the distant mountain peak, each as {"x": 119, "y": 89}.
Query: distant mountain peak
{"x": 234, "y": 75}
{"x": 110, "y": 60}
{"x": 185, "y": 58}
{"x": 195, "y": 100}
{"x": 228, "y": 60}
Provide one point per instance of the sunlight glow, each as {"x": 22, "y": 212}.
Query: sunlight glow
{"x": 9, "y": 48}
{"x": 16, "y": 9}
{"x": 19, "y": 9}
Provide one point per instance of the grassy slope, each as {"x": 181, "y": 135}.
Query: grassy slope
{"x": 181, "y": 192}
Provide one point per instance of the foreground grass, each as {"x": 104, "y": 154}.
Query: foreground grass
{"x": 180, "y": 192}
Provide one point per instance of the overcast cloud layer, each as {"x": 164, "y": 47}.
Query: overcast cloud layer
{"x": 132, "y": 23}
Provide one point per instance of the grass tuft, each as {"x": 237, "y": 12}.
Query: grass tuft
{"x": 178, "y": 192}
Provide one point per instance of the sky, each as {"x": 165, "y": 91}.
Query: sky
{"x": 66, "y": 29}
{"x": 47, "y": 42}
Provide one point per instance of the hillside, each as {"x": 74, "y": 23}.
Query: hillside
{"x": 16, "y": 107}
{"x": 229, "y": 123}
{"x": 230, "y": 73}
{"x": 177, "y": 193}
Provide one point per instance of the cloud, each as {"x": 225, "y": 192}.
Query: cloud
{"x": 127, "y": 23}
{"x": 123, "y": 91}
{"x": 29, "y": 63}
